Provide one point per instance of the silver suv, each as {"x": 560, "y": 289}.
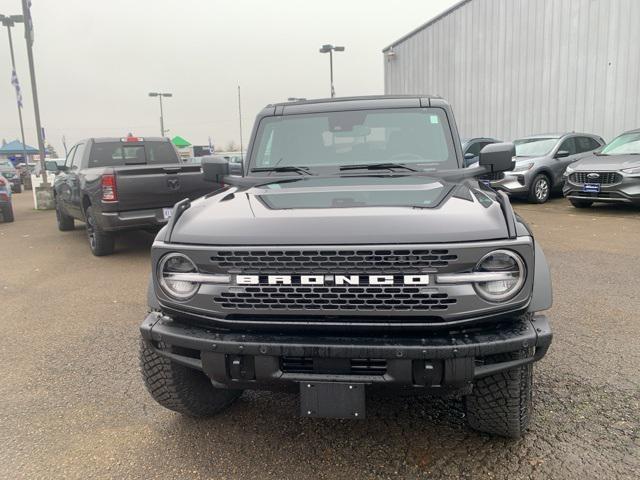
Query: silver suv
{"x": 541, "y": 161}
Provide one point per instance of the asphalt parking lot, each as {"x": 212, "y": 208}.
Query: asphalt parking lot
{"x": 73, "y": 404}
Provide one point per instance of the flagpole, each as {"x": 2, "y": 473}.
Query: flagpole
{"x": 28, "y": 28}
{"x": 18, "y": 100}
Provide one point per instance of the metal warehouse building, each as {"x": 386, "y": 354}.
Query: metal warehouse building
{"x": 518, "y": 67}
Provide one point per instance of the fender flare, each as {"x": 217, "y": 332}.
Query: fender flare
{"x": 542, "y": 295}
{"x": 152, "y": 300}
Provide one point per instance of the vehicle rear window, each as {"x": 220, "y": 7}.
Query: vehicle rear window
{"x": 114, "y": 154}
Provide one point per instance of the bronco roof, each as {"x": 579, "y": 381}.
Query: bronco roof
{"x": 354, "y": 103}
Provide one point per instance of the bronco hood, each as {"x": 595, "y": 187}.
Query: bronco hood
{"x": 606, "y": 162}
{"x": 343, "y": 210}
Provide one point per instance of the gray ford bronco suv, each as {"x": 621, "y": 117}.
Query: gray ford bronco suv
{"x": 354, "y": 252}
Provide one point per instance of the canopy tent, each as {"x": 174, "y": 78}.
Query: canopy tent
{"x": 16, "y": 148}
{"x": 180, "y": 142}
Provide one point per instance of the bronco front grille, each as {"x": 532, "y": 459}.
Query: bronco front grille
{"x": 348, "y": 298}
{"x": 603, "y": 178}
{"x": 331, "y": 261}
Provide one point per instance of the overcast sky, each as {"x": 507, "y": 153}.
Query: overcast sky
{"x": 96, "y": 61}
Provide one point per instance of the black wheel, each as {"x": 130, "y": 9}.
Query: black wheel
{"x": 17, "y": 189}
{"x": 65, "y": 222}
{"x": 540, "y": 189}
{"x": 100, "y": 242}
{"x": 501, "y": 404}
{"x": 181, "y": 389}
{"x": 7, "y": 213}
{"x": 581, "y": 203}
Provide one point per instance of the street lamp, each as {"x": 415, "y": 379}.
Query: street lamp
{"x": 10, "y": 21}
{"x": 330, "y": 49}
{"x": 160, "y": 95}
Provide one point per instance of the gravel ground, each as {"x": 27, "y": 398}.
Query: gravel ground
{"x": 73, "y": 404}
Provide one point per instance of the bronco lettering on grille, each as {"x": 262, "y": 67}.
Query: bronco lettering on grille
{"x": 332, "y": 279}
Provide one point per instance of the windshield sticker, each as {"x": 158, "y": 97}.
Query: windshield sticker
{"x": 434, "y": 119}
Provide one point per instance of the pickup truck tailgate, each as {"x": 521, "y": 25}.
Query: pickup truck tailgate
{"x": 155, "y": 186}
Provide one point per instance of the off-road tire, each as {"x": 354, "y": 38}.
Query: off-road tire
{"x": 179, "y": 388}
{"x": 501, "y": 404}
{"x": 101, "y": 243}
{"x": 65, "y": 222}
{"x": 581, "y": 203}
{"x": 7, "y": 213}
{"x": 534, "y": 195}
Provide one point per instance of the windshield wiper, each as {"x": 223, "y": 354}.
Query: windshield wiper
{"x": 288, "y": 168}
{"x": 377, "y": 166}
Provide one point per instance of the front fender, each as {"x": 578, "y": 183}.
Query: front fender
{"x": 542, "y": 296}
{"x": 152, "y": 300}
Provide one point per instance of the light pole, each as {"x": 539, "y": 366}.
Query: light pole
{"x": 330, "y": 49}
{"x": 46, "y": 195}
{"x": 160, "y": 95}
{"x": 10, "y": 21}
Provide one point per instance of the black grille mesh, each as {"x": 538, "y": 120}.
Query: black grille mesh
{"x": 266, "y": 262}
{"x": 604, "y": 178}
{"x": 351, "y": 298}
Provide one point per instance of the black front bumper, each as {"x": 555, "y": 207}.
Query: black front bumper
{"x": 435, "y": 359}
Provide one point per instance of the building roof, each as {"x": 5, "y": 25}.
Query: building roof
{"x": 15, "y": 147}
{"x": 428, "y": 24}
{"x": 180, "y": 142}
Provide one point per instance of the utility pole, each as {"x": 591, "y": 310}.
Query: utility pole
{"x": 28, "y": 31}
{"x": 9, "y": 22}
{"x": 330, "y": 49}
{"x": 160, "y": 95}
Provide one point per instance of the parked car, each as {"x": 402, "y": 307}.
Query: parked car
{"x": 541, "y": 161}
{"x": 471, "y": 148}
{"x": 8, "y": 171}
{"x": 355, "y": 250}
{"x": 115, "y": 184}
{"x": 6, "y": 207}
{"x": 611, "y": 175}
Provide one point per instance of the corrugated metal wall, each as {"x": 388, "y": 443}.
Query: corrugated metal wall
{"x": 517, "y": 67}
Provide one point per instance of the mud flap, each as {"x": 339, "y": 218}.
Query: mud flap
{"x": 332, "y": 400}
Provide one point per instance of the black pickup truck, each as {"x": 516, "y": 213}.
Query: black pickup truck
{"x": 115, "y": 184}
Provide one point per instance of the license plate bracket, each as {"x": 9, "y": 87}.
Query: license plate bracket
{"x": 332, "y": 400}
{"x": 591, "y": 187}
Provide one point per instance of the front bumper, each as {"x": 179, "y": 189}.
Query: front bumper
{"x": 625, "y": 191}
{"x": 260, "y": 361}
{"x": 132, "y": 220}
{"x": 512, "y": 183}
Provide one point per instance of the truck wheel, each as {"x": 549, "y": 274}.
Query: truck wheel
{"x": 7, "y": 213}
{"x": 501, "y": 404}
{"x": 18, "y": 189}
{"x": 182, "y": 389}
{"x": 581, "y": 203}
{"x": 100, "y": 242}
{"x": 540, "y": 189}
{"x": 65, "y": 222}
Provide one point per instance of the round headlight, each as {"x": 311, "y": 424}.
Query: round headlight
{"x": 512, "y": 268}
{"x": 170, "y": 268}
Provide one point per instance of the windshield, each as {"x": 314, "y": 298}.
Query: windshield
{"x": 6, "y": 166}
{"x": 625, "y": 144}
{"x": 417, "y": 136}
{"x": 534, "y": 147}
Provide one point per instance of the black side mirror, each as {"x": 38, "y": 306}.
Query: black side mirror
{"x": 562, "y": 154}
{"x": 498, "y": 157}
{"x": 214, "y": 169}
{"x": 52, "y": 166}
